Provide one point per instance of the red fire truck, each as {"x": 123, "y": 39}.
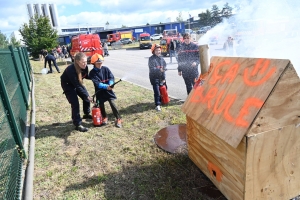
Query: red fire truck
{"x": 168, "y": 35}
{"x": 111, "y": 38}
{"x": 87, "y": 43}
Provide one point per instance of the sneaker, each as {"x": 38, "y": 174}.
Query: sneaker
{"x": 158, "y": 108}
{"x": 81, "y": 128}
{"x": 50, "y": 72}
{"x": 104, "y": 121}
{"x": 87, "y": 116}
{"x": 118, "y": 123}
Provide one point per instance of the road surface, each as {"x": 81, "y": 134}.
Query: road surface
{"x": 132, "y": 65}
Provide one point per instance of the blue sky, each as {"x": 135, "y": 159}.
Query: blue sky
{"x": 96, "y": 13}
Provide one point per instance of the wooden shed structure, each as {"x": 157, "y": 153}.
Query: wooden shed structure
{"x": 243, "y": 127}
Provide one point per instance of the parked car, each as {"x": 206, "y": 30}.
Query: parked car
{"x": 117, "y": 45}
{"x": 126, "y": 41}
{"x": 203, "y": 29}
{"x": 156, "y": 37}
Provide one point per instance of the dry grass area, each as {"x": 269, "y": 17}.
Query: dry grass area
{"x": 107, "y": 162}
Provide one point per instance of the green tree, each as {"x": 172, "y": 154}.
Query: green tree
{"x": 179, "y": 18}
{"x": 3, "y": 41}
{"x": 205, "y": 18}
{"x": 38, "y": 34}
{"x": 215, "y": 15}
{"x": 227, "y": 10}
{"x": 123, "y": 26}
{"x": 15, "y": 42}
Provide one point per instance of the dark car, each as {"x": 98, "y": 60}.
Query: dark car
{"x": 126, "y": 41}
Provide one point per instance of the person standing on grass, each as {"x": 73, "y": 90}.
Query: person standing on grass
{"x": 103, "y": 79}
{"x": 188, "y": 61}
{"x": 50, "y": 58}
{"x": 157, "y": 67}
{"x": 72, "y": 85}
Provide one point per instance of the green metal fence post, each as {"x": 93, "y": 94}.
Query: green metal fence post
{"x": 19, "y": 76}
{"x": 28, "y": 66}
{"x": 24, "y": 67}
{"x": 10, "y": 116}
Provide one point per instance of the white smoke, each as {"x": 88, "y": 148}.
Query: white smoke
{"x": 263, "y": 29}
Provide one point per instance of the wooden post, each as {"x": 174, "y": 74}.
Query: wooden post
{"x": 204, "y": 58}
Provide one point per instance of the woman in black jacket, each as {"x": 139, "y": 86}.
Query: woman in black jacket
{"x": 72, "y": 85}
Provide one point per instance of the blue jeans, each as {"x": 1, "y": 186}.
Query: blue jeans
{"x": 173, "y": 53}
{"x": 156, "y": 94}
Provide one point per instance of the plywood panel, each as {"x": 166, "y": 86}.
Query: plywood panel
{"x": 282, "y": 107}
{"x": 273, "y": 164}
{"x": 208, "y": 152}
{"x": 234, "y": 92}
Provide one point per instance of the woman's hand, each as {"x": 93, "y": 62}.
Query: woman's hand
{"x": 90, "y": 99}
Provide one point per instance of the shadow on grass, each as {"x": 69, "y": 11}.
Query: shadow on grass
{"x": 167, "y": 179}
{"x": 143, "y": 107}
{"x": 59, "y": 130}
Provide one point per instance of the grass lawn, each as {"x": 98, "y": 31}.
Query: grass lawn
{"x": 108, "y": 162}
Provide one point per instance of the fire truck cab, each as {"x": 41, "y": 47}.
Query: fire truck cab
{"x": 145, "y": 41}
{"x": 89, "y": 44}
{"x": 168, "y": 35}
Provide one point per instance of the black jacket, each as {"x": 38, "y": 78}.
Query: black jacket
{"x": 70, "y": 78}
{"x": 102, "y": 76}
{"x": 155, "y": 63}
{"x": 187, "y": 54}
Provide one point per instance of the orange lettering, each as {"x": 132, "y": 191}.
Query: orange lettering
{"x": 197, "y": 95}
{"x": 231, "y": 74}
{"x": 215, "y": 76}
{"x": 245, "y": 110}
{"x": 225, "y": 106}
{"x": 210, "y": 95}
{"x": 262, "y": 70}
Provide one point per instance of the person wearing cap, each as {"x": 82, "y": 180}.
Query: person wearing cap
{"x": 188, "y": 61}
{"x": 72, "y": 85}
{"x": 157, "y": 67}
{"x": 103, "y": 80}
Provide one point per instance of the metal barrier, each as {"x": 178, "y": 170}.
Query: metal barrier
{"x": 15, "y": 81}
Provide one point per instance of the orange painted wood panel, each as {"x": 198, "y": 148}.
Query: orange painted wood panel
{"x": 220, "y": 162}
{"x": 282, "y": 107}
{"x": 233, "y": 94}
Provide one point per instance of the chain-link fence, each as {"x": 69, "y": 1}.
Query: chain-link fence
{"x": 15, "y": 84}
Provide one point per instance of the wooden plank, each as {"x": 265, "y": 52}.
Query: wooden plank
{"x": 273, "y": 164}
{"x": 206, "y": 149}
{"x": 228, "y": 102}
{"x": 282, "y": 107}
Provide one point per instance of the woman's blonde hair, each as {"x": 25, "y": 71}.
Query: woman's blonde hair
{"x": 78, "y": 57}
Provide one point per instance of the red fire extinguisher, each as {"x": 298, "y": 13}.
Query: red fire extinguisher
{"x": 164, "y": 94}
{"x": 96, "y": 113}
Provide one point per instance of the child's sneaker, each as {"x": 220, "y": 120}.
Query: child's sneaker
{"x": 158, "y": 108}
{"x": 119, "y": 123}
{"x": 105, "y": 121}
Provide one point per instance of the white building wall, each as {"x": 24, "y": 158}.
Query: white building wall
{"x": 47, "y": 12}
{"x": 54, "y": 15}
{"x": 30, "y": 10}
{"x": 38, "y": 9}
